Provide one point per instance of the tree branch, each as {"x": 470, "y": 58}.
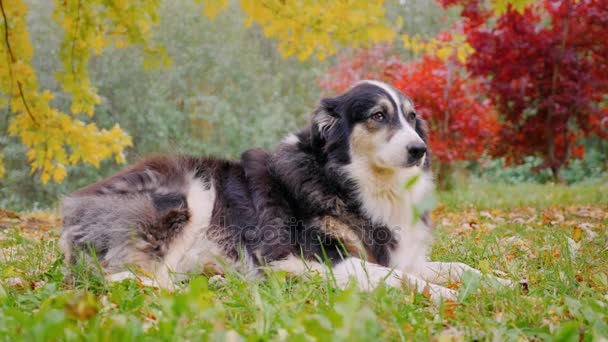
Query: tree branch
{"x": 11, "y": 60}
{"x": 76, "y": 31}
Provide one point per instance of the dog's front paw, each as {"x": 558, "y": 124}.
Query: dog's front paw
{"x": 437, "y": 293}
{"x": 499, "y": 277}
{"x": 498, "y": 282}
{"x": 505, "y": 282}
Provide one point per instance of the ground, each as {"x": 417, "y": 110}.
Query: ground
{"x": 551, "y": 239}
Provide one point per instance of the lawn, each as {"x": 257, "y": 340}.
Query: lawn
{"x": 553, "y": 239}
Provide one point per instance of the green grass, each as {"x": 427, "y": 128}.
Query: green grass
{"x": 555, "y": 237}
{"x": 486, "y": 195}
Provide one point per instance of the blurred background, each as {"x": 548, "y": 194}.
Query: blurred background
{"x": 513, "y": 91}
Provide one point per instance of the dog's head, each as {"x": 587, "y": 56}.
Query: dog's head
{"x": 374, "y": 122}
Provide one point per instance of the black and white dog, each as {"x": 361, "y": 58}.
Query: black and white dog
{"x": 339, "y": 197}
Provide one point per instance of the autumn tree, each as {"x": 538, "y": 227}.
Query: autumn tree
{"x": 56, "y": 138}
{"x": 546, "y": 68}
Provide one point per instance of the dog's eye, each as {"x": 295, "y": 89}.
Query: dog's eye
{"x": 411, "y": 116}
{"x": 377, "y": 116}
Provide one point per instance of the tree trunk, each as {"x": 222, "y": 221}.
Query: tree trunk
{"x": 444, "y": 176}
{"x": 555, "y": 164}
{"x": 558, "y": 177}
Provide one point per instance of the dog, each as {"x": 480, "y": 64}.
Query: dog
{"x": 340, "y": 197}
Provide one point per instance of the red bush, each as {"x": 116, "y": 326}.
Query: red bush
{"x": 547, "y": 73}
{"x": 462, "y": 124}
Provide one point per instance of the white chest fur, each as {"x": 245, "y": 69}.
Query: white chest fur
{"x": 387, "y": 200}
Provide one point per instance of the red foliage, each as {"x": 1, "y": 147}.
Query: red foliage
{"x": 546, "y": 72}
{"x": 373, "y": 63}
{"x": 461, "y": 124}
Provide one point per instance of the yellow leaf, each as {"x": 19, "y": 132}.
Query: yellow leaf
{"x": 98, "y": 43}
{"x": 121, "y": 44}
{"x": 59, "y": 173}
{"x": 416, "y": 47}
{"x": 1, "y": 165}
{"x": 45, "y": 177}
{"x": 484, "y": 266}
{"x": 444, "y": 53}
{"x": 399, "y": 22}
{"x": 577, "y": 234}
{"x": 500, "y": 6}
{"x": 407, "y": 44}
{"x": 214, "y": 7}
{"x": 462, "y": 55}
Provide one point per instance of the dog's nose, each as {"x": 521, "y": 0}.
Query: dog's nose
{"x": 416, "y": 150}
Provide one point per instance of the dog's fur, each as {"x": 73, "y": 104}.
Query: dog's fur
{"x": 339, "y": 197}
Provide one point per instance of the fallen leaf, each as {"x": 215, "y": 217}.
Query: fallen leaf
{"x": 577, "y": 234}
{"x": 82, "y": 306}
{"x": 448, "y": 309}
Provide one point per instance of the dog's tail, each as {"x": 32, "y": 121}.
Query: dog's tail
{"x": 131, "y": 215}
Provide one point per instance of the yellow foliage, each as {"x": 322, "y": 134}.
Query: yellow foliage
{"x": 315, "y": 27}
{"x": 500, "y": 6}
{"x": 213, "y": 7}
{"x": 440, "y": 48}
{"x": 54, "y": 139}
{"x": 457, "y": 44}
{"x": 86, "y": 25}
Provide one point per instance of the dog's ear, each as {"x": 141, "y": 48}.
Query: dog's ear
{"x": 324, "y": 119}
